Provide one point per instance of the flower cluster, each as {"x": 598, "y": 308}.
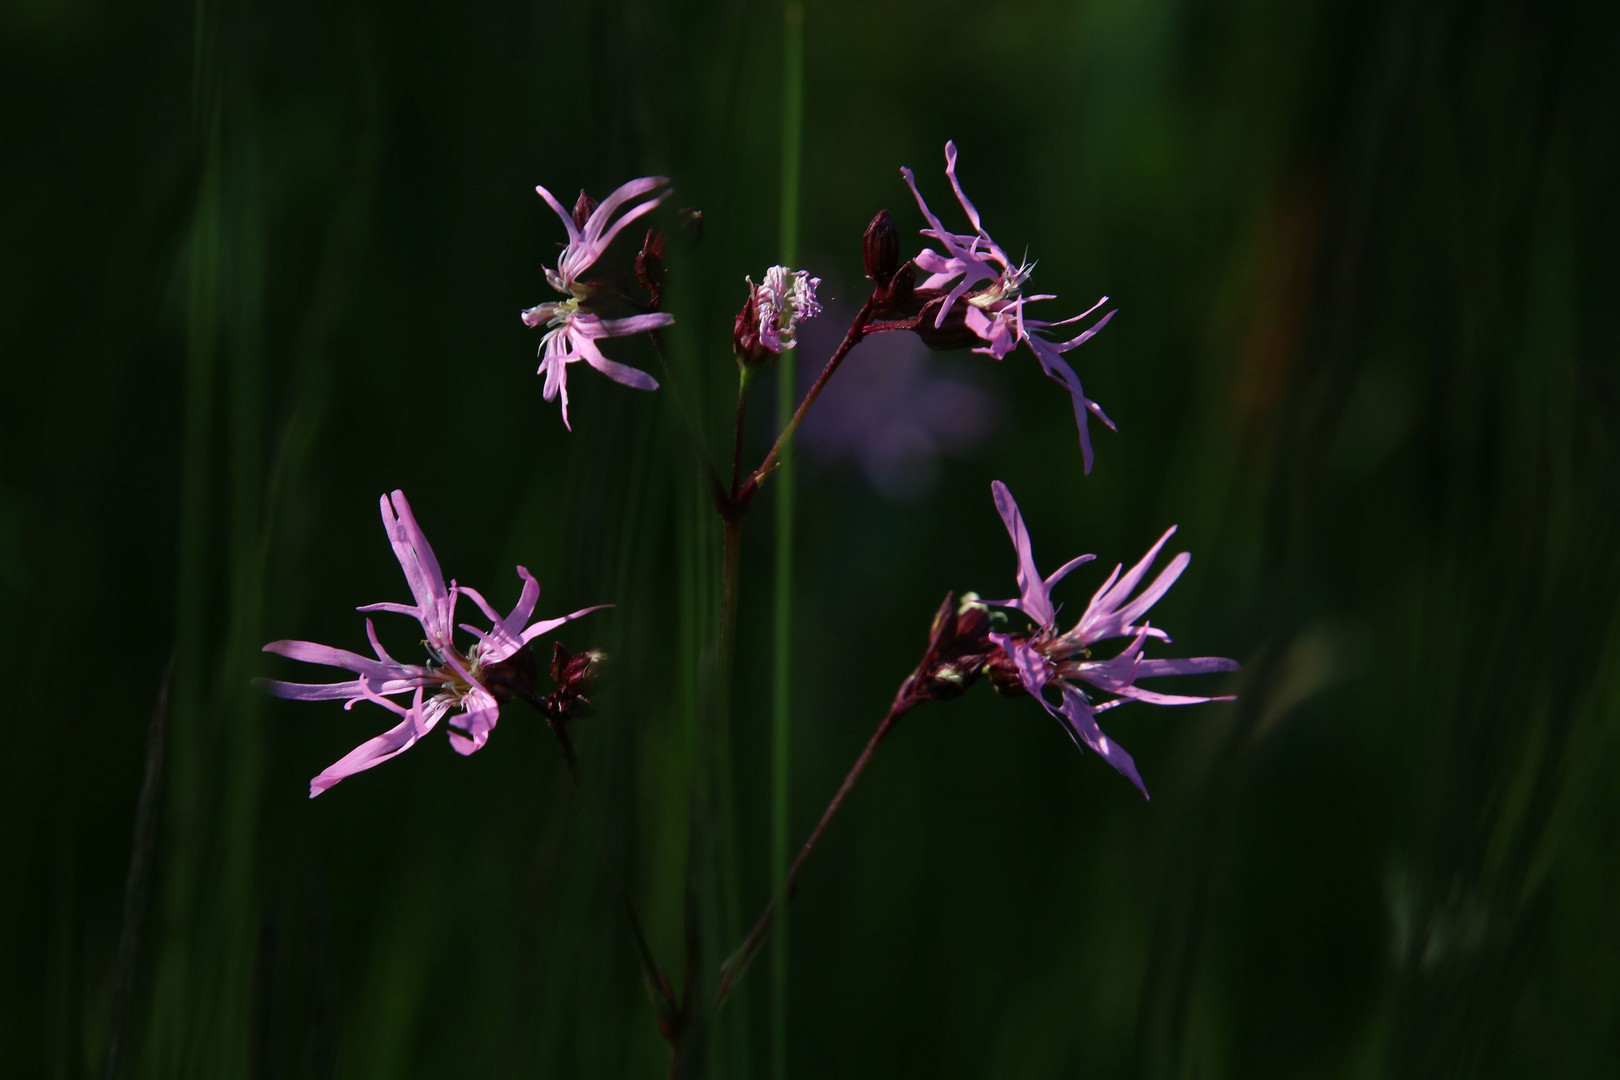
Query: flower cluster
{"x": 466, "y": 683}
{"x": 973, "y": 294}
{"x": 896, "y": 418}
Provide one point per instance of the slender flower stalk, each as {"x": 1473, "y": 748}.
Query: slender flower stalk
{"x": 467, "y": 683}
{"x": 984, "y": 289}
{"x": 857, "y": 330}
{"x": 574, "y": 326}
{"x": 1061, "y": 661}
{"x": 958, "y": 650}
{"x": 737, "y": 965}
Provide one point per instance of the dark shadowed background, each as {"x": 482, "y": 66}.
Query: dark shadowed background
{"x": 262, "y": 263}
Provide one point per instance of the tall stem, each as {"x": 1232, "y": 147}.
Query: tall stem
{"x": 774, "y": 460}
{"x": 737, "y": 965}
{"x": 781, "y": 694}
{"x": 737, "y": 437}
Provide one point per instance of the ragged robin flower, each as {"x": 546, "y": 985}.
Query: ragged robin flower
{"x": 465, "y": 682}
{"x": 771, "y": 316}
{"x": 985, "y": 290}
{"x": 573, "y": 326}
{"x": 1046, "y": 659}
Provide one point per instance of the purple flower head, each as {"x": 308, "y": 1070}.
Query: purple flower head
{"x": 977, "y": 272}
{"x": 467, "y": 681}
{"x": 573, "y": 329}
{"x": 781, "y": 305}
{"x": 1062, "y": 661}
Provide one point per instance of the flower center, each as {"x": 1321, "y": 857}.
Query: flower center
{"x": 451, "y": 680}
{"x": 1004, "y": 288}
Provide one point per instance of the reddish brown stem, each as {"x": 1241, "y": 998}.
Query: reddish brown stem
{"x": 735, "y": 967}
{"x": 857, "y": 330}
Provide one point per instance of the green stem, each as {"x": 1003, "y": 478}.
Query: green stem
{"x": 737, "y": 437}
{"x": 781, "y": 697}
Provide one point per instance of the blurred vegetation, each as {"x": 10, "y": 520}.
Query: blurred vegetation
{"x": 265, "y": 263}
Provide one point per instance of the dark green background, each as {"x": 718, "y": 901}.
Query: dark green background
{"x": 262, "y": 263}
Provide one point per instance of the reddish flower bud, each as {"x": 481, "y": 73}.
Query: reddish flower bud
{"x": 575, "y": 675}
{"x": 958, "y": 649}
{"x": 880, "y": 248}
{"x": 897, "y": 294}
{"x": 952, "y": 333}
{"x": 650, "y": 264}
{"x": 692, "y": 218}
{"x": 584, "y": 206}
{"x": 745, "y": 340}
{"x": 513, "y": 677}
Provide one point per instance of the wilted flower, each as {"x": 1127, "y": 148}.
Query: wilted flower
{"x": 469, "y": 682}
{"x": 574, "y": 327}
{"x": 979, "y": 275}
{"x": 771, "y": 316}
{"x": 1061, "y": 661}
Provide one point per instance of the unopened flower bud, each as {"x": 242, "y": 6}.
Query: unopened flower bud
{"x": 692, "y": 219}
{"x": 957, "y": 649}
{"x": 900, "y": 287}
{"x": 952, "y": 333}
{"x": 584, "y": 207}
{"x": 576, "y": 672}
{"x": 880, "y": 248}
{"x": 745, "y": 335}
{"x": 650, "y": 264}
{"x": 513, "y": 677}
{"x": 575, "y": 675}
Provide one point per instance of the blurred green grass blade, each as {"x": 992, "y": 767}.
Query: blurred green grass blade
{"x": 782, "y": 636}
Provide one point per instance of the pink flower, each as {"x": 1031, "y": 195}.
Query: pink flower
{"x": 783, "y": 303}
{"x": 1046, "y": 658}
{"x": 573, "y": 328}
{"x": 769, "y": 319}
{"x": 469, "y": 682}
{"x": 980, "y": 275}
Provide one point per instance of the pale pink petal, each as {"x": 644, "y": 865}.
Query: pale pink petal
{"x": 1197, "y": 665}
{"x": 1063, "y": 571}
{"x": 567, "y": 218}
{"x": 422, "y": 573}
{"x": 483, "y": 605}
{"x": 1034, "y": 598}
{"x": 470, "y": 730}
{"x": 1152, "y": 594}
{"x": 1033, "y": 669}
{"x": 636, "y": 324}
{"x": 417, "y": 721}
{"x": 961, "y": 196}
{"x": 623, "y": 374}
{"x": 548, "y": 625}
{"x": 1081, "y": 722}
{"x": 1114, "y": 593}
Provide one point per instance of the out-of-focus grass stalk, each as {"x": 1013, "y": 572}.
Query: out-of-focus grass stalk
{"x": 202, "y": 999}
{"x": 168, "y": 1039}
{"x": 781, "y": 689}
